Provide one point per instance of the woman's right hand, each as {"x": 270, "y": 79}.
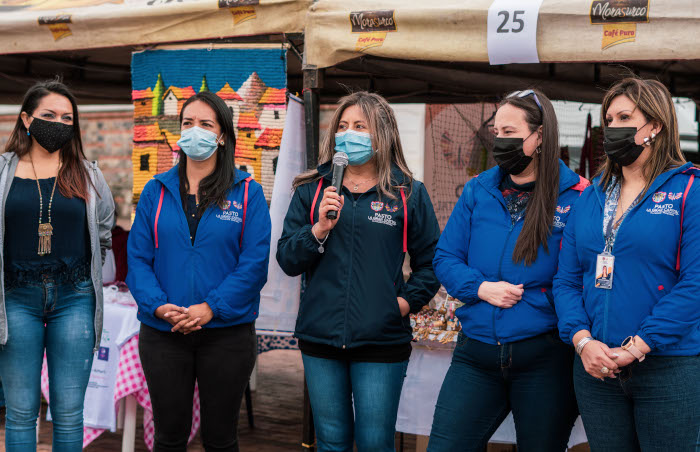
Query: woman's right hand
{"x": 595, "y": 356}
{"x": 331, "y": 201}
{"x": 501, "y": 294}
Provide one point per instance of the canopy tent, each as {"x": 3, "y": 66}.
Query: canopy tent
{"x": 438, "y": 52}
{"x": 55, "y": 25}
{"x": 442, "y": 47}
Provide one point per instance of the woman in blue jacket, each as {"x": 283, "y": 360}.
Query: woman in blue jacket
{"x": 498, "y": 255}
{"x": 198, "y": 256}
{"x": 353, "y": 326}
{"x": 638, "y": 330}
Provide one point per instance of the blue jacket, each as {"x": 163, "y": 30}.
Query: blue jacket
{"x": 477, "y": 245}
{"x": 351, "y": 289}
{"x": 215, "y": 269}
{"x": 649, "y": 297}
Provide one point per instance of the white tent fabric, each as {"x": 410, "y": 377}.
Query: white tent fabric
{"x": 279, "y": 299}
{"x": 455, "y": 30}
{"x": 50, "y": 25}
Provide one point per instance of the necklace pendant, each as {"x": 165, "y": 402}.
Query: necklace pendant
{"x": 45, "y": 233}
{"x": 321, "y": 249}
{"x": 355, "y": 188}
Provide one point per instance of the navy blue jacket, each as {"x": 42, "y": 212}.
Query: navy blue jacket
{"x": 477, "y": 245}
{"x": 216, "y": 269}
{"x": 649, "y": 297}
{"x": 351, "y": 289}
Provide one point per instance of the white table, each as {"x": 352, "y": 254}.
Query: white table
{"x": 426, "y": 372}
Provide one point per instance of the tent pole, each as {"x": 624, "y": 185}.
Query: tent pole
{"x": 313, "y": 81}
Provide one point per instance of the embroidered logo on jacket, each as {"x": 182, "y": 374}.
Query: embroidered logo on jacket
{"x": 561, "y": 209}
{"x": 237, "y": 205}
{"x": 663, "y": 209}
{"x": 229, "y": 215}
{"x": 226, "y": 205}
{"x": 659, "y": 196}
{"x": 377, "y": 206}
{"x": 674, "y": 196}
{"x": 557, "y": 221}
{"x": 391, "y": 209}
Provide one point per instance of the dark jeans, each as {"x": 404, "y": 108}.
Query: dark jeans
{"x": 220, "y": 360}
{"x": 652, "y": 406}
{"x": 485, "y": 382}
{"x": 375, "y": 389}
{"x": 61, "y": 319}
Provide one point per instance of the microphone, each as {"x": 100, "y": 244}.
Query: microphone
{"x": 340, "y": 161}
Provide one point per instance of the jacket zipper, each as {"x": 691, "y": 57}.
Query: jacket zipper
{"x": 347, "y": 293}
{"x": 500, "y": 278}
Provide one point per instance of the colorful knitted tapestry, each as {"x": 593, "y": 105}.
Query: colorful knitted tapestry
{"x": 252, "y": 82}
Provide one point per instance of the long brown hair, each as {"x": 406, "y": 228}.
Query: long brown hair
{"x": 654, "y": 101}
{"x": 73, "y": 176}
{"x": 540, "y": 208}
{"x": 385, "y": 139}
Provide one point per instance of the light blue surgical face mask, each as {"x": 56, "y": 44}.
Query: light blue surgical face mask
{"x": 197, "y": 143}
{"x": 357, "y": 145}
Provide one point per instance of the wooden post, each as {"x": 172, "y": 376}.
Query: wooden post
{"x": 313, "y": 81}
{"x": 308, "y": 434}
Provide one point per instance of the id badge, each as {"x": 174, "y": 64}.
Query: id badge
{"x": 605, "y": 266}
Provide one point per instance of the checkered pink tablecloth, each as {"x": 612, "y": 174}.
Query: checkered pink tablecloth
{"x": 130, "y": 381}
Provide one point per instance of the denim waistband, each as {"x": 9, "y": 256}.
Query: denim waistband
{"x": 57, "y": 273}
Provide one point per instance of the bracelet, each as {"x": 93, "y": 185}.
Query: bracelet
{"x": 321, "y": 249}
{"x": 582, "y": 343}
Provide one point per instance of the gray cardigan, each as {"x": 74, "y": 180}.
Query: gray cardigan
{"x": 100, "y": 216}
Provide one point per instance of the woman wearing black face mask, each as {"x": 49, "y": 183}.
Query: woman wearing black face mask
{"x": 57, "y": 218}
{"x": 636, "y": 329}
{"x": 498, "y": 255}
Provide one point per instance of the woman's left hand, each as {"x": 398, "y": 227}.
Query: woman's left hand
{"x": 625, "y": 359}
{"x": 404, "y": 307}
{"x": 199, "y": 314}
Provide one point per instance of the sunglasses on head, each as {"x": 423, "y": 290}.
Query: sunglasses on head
{"x": 525, "y": 93}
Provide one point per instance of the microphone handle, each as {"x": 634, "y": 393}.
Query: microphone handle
{"x": 338, "y": 172}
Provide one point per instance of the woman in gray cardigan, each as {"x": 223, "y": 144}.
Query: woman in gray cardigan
{"x": 57, "y": 213}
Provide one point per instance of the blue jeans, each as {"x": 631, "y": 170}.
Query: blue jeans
{"x": 375, "y": 389}
{"x": 60, "y": 319}
{"x": 652, "y": 406}
{"x": 485, "y": 382}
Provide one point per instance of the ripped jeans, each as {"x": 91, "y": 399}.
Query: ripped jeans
{"x": 59, "y": 318}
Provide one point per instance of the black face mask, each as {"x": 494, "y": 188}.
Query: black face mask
{"x": 509, "y": 155}
{"x": 620, "y": 146}
{"x": 52, "y": 136}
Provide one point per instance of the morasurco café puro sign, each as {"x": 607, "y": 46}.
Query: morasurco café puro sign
{"x": 619, "y": 11}
{"x": 372, "y": 21}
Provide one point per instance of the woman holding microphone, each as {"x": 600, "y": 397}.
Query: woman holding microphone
{"x": 353, "y": 326}
{"x": 636, "y": 329}
{"x": 498, "y": 255}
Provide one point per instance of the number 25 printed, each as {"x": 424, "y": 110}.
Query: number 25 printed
{"x": 516, "y": 20}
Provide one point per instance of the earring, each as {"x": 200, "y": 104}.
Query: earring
{"x": 538, "y": 149}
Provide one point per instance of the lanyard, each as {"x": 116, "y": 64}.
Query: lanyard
{"x": 610, "y": 230}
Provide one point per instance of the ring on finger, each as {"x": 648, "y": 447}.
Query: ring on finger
{"x": 604, "y": 370}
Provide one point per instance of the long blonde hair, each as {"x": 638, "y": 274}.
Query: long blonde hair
{"x": 385, "y": 139}
{"x": 655, "y": 102}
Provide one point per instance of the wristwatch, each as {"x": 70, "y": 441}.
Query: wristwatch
{"x": 628, "y": 344}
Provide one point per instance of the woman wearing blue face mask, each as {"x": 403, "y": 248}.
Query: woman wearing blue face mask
{"x": 198, "y": 256}
{"x": 353, "y": 326}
